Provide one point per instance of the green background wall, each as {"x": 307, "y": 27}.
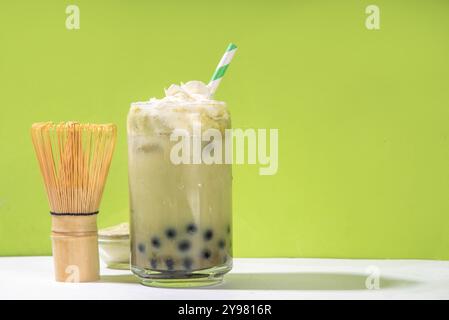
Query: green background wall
{"x": 362, "y": 115}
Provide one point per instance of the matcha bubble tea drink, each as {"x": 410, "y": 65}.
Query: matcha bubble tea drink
{"x": 181, "y": 206}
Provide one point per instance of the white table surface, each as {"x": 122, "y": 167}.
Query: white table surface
{"x": 32, "y": 278}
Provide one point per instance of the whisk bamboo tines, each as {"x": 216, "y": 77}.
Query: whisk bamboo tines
{"x": 74, "y": 160}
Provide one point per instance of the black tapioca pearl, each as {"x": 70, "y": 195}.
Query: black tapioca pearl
{"x": 221, "y": 244}
{"x": 228, "y": 229}
{"x": 184, "y": 245}
{"x": 155, "y": 242}
{"x": 170, "y": 233}
{"x": 187, "y": 263}
{"x": 153, "y": 263}
{"x": 208, "y": 234}
{"x": 205, "y": 254}
{"x": 170, "y": 263}
{"x": 141, "y": 247}
{"x": 191, "y": 228}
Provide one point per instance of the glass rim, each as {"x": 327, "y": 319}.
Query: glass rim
{"x": 151, "y": 104}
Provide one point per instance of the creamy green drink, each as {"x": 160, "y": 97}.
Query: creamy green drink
{"x": 180, "y": 209}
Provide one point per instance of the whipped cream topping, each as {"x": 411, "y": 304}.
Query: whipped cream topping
{"x": 190, "y": 91}
{"x": 182, "y": 107}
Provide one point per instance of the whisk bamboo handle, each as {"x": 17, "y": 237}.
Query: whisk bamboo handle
{"x": 75, "y": 248}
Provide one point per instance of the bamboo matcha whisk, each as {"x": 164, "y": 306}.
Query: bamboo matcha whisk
{"x": 74, "y": 160}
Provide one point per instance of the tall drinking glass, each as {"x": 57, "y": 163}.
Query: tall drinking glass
{"x": 180, "y": 212}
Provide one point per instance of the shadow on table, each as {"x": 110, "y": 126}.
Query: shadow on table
{"x": 286, "y": 281}
{"x": 305, "y": 281}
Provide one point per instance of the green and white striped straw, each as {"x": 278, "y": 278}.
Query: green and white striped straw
{"x": 221, "y": 68}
